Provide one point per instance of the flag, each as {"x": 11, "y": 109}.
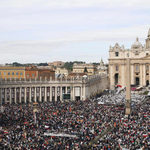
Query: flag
{"x": 125, "y": 124}
{"x": 46, "y": 127}
{"x": 144, "y": 135}
{"x": 35, "y": 118}
{"x": 6, "y": 132}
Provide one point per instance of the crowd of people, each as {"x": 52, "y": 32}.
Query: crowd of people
{"x": 73, "y": 125}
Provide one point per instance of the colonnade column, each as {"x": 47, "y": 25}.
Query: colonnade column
{"x": 73, "y": 97}
{"x": 35, "y": 95}
{"x": 45, "y": 94}
{"x": 10, "y": 99}
{"x": 40, "y": 95}
{"x": 20, "y": 95}
{"x": 81, "y": 93}
{"x": 50, "y": 93}
{"x": 5, "y": 95}
{"x": 25, "y": 94}
{"x": 144, "y": 74}
{"x": 61, "y": 93}
{"x": 15, "y": 98}
{"x": 30, "y": 94}
{"x": 149, "y": 73}
{"x": 55, "y": 93}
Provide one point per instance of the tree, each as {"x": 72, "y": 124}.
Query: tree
{"x": 85, "y": 70}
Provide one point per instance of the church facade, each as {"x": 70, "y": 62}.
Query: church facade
{"x": 139, "y": 56}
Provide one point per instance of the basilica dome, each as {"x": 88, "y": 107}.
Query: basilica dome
{"x": 136, "y": 44}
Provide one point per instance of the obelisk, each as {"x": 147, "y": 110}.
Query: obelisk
{"x": 128, "y": 87}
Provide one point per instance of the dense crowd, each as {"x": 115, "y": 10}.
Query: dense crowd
{"x": 22, "y": 129}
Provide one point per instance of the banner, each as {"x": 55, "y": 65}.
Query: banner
{"x": 17, "y": 93}
{"x": 60, "y": 134}
{"x": 43, "y": 91}
{"x": 8, "y": 92}
{"x": 53, "y": 91}
{"x": 22, "y": 92}
{"x": 58, "y": 91}
{"x": 32, "y": 92}
{"x": 12, "y": 92}
{"x": 37, "y": 92}
{"x": 28, "y": 91}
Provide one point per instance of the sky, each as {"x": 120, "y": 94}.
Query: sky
{"x": 34, "y": 31}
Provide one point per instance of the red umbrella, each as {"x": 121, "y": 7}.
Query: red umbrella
{"x": 119, "y": 86}
{"x": 26, "y": 122}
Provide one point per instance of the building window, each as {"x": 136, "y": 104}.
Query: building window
{"x": 21, "y": 73}
{"x": 147, "y": 74}
{"x": 116, "y": 54}
{"x": 27, "y": 75}
{"x": 8, "y": 73}
{"x": 137, "y": 68}
{"x": 4, "y": 73}
{"x": 116, "y": 68}
{"x": 147, "y": 54}
{"x": 0, "y": 73}
{"x": 137, "y": 74}
{"x": 12, "y": 73}
{"x": 147, "y": 67}
{"x": 32, "y": 75}
{"x": 16, "y": 73}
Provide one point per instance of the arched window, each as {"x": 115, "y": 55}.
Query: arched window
{"x": 137, "y": 67}
{"x": 147, "y": 67}
{"x": 116, "y": 68}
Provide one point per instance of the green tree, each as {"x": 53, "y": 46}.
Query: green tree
{"x": 85, "y": 70}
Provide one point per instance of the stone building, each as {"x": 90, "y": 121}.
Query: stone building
{"x": 62, "y": 71}
{"x": 139, "y": 63}
{"x": 79, "y": 68}
{"x": 102, "y": 68}
{"x": 56, "y": 63}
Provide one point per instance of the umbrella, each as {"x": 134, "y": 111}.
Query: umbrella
{"x": 26, "y": 122}
{"x": 119, "y": 86}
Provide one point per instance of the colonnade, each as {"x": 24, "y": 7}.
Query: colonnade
{"x": 26, "y": 94}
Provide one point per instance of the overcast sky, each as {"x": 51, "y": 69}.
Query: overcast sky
{"x": 69, "y": 30}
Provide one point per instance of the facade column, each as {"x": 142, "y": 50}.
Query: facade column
{"x": 10, "y": 99}
{"x": 15, "y": 98}
{"x": 20, "y": 95}
{"x": 40, "y": 94}
{"x": 50, "y": 93}
{"x": 141, "y": 83}
{"x": 5, "y": 95}
{"x": 35, "y": 94}
{"x": 111, "y": 76}
{"x": 132, "y": 74}
{"x": 61, "y": 93}
{"x": 144, "y": 75}
{"x": 25, "y": 94}
{"x": 55, "y": 93}
{"x": 123, "y": 75}
{"x": 45, "y": 94}
{"x": 29, "y": 94}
